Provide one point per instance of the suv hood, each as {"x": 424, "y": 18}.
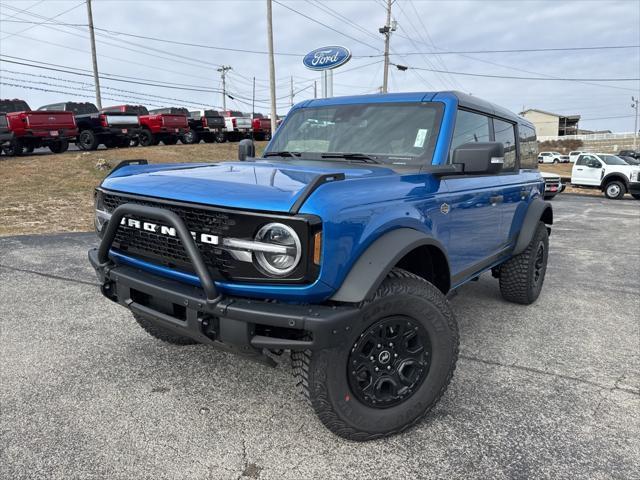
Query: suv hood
{"x": 260, "y": 185}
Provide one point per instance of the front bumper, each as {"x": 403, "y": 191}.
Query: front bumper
{"x": 248, "y": 325}
{"x": 205, "y": 315}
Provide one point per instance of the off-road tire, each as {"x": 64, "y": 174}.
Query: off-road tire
{"x": 146, "y": 138}
{"x": 87, "y": 140}
{"x": 518, "y": 282}
{"x": 614, "y": 190}
{"x": 162, "y": 333}
{"x": 59, "y": 146}
{"x": 190, "y": 138}
{"x": 322, "y": 375}
{"x": 14, "y": 149}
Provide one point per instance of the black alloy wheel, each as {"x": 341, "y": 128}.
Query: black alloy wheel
{"x": 539, "y": 264}
{"x": 389, "y": 361}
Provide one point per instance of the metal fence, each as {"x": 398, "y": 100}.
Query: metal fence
{"x": 590, "y": 136}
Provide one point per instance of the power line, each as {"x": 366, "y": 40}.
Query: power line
{"x": 510, "y": 77}
{"x": 72, "y": 93}
{"x": 77, "y": 82}
{"x": 36, "y": 24}
{"x": 325, "y": 25}
{"x": 146, "y": 49}
{"x": 262, "y": 52}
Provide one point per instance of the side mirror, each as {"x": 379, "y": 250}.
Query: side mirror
{"x": 246, "y": 148}
{"x": 479, "y": 157}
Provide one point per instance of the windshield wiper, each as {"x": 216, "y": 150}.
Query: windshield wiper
{"x": 352, "y": 156}
{"x": 282, "y": 154}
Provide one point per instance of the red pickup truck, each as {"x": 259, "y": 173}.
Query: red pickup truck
{"x": 261, "y": 127}
{"x": 35, "y": 129}
{"x": 155, "y": 127}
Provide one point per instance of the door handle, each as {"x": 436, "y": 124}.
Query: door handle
{"x": 496, "y": 199}
{"x": 579, "y": 169}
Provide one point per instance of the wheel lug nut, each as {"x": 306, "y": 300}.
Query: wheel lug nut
{"x": 379, "y": 346}
{"x": 395, "y": 355}
{"x": 377, "y": 369}
{"x": 371, "y": 358}
{"x": 391, "y": 344}
{"x": 388, "y": 367}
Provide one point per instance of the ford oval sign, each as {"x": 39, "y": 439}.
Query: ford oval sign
{"x": 326, "y": 58}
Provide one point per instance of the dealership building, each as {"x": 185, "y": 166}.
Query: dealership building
{"x": 552, "y": 124}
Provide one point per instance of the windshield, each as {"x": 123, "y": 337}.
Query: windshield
{"x": 613, "y": 160}
{"x": 392, "y": 133}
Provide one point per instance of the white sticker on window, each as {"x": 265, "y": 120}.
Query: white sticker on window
{"x": 420, "y": 137}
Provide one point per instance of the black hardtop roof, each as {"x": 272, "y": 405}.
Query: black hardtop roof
{"x": 475, "y": 103}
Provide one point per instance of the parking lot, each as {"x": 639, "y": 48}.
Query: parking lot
{"x": 550, "y": 390}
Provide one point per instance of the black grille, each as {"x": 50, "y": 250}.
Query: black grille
{"x": 168, "y": 251}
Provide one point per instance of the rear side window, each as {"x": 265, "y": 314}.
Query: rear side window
{"x": 470, "y": 127}
{"x": 505, "y": 134}
{"x": 528, "y": 147}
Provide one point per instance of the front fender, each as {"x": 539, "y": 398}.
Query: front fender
{"x": 376, "y": 262}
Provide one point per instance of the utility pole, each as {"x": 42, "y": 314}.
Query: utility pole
{"x": 386, "y": 31}
{"x": 223, "y": 74}
{"x": 634, "y": 105}
{"x": 253, "y": 99}
{"x": 272, "y": 69}
{"x": 94, "y": 57}
{"x": 292, "y": 91}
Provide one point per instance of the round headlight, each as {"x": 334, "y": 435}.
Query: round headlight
{"x": 286, "y": 252}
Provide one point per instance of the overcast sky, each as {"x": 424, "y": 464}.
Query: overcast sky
{"x": 423, "y": 26}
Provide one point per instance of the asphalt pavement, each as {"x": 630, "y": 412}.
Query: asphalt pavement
{"x": 550, "y": 390}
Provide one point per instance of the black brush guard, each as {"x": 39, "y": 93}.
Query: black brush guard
{"x": 207, "y": 316}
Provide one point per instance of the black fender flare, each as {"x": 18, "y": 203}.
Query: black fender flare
{"x": 538, "y": 210}
{"x": 368, "y": 272}
{"x": 614, "y": 176}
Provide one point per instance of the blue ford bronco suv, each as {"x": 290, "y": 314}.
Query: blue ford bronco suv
{"x": 339, "y": 245}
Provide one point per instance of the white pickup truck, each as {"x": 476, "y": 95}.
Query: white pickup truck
{"x": 610, "y": 173}
{"x": 237, "y": 125}
{"x": 550, "y": 157}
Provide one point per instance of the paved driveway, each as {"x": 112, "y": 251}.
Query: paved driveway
{"x": 550, "y": 390}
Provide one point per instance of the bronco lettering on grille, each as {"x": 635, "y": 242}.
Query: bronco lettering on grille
{"x": 168, "y": 231}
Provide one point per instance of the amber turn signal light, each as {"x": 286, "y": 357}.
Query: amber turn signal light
{"x": 317, "y": 247}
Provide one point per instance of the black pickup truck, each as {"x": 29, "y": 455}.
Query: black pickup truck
{"x": 207, "y": 125}
{"x": 111, "y": 129}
